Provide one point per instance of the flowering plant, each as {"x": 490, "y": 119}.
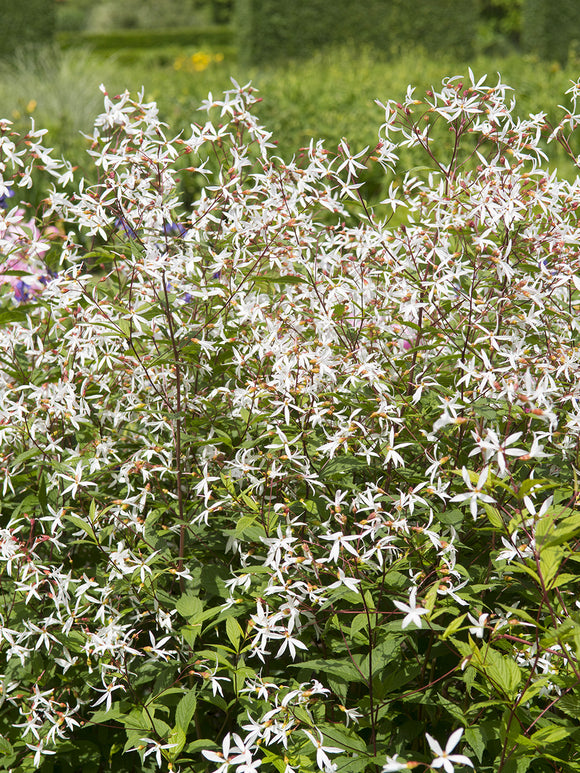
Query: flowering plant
{"x": 260, "y": 457}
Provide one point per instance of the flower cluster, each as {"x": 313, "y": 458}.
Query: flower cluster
{"x": 285, "y": 470}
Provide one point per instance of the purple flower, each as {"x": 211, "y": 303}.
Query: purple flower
{"x": 21, "y": 291}
{"x": 123, "y": 225}
{"x": 8, "y": 194}
{"x": 174, "y": 228}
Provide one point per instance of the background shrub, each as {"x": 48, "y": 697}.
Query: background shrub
{"x": 551, "y": 30}
{"x": 30, "y": 23}
{"x": 269, "y": 30}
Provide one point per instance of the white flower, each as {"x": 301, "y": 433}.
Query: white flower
{"x": 322, "y": 759}
{"x": 444, "y": 759}
{"x": 475, "y": 492}
{"x": 39, "y": 750}
{"x": 392, "y": 765}
{"x": 290, "y": 643}
{"x": 412, "y": 612}
{"x": 155, "y": 748}
{"x": 107, "y": 696}
{"x": 479, "y": 625}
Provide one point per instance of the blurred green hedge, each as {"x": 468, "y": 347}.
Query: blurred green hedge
{"x": 25, "y": 22}
{"x": 270, "y": 30}
{"x": 217, "y": 35}
{"x": 551, "y": 28}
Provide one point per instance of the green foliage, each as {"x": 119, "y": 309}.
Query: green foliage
{"x": 143, "y": 39}
{"x": 222, "y": 11}
{"x": 24, "y": 24}
{"x": 58, "y": 89}
{"x": 268, "y": 30}
{"x": 109, "y": 16}
{"x": 500, "y": 26}
{"x": 551, "y": 30}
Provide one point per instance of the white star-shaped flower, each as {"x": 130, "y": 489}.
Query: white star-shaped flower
{"x": 444, "y": 759}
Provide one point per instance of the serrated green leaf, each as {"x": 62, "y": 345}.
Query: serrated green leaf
{"x": 550, "y": 560}
{"x": 342, "y": 668}
{"x": 25, "y": 455}
{"x": 244, "y": 523}
{"x": 201, "y": 743}
{"x": 534, "y": 689}
{"x": 5, "y": 746}
{"x": 570, "y": 705}
{"x": 81, "y": 524}
{"x": 493, "y": 515}
{"x": 177, "y": 739}
{"x": 359, "y": 623}
{"x": 551, "y": 734}
{"x": 431, "y": 597}
{"x": 563, "y": 579}
{"x": 114, "y": 713}
{"x": 566, "y": 529}
{"x": 453, "y": 626}
{"x": 189, "y": 606}
{"x": 234, "y": 631}
{"x": 249, "y": 501}
{"x": 503, "y": 670}
{"x": 474, "y": 737}
{"x": 525, "y": 569}
{"x": 532, "y": 483}
{"x": 186, "y": 709}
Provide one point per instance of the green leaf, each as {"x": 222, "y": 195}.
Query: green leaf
{"x": 525, "y": 569}
{"x": 475, "y": 738}
{"x": 453, "y": 626}
{"x": 134, "y": 721}
{"x": 570, "y": 705}
{"x": 185, "y": 710}
{"x": 114, "y": 713}
{"x": 190, "y": 633}
{"x": 341, "y": 464}
{"x": 359, "y": 623}
{"x": 189, "y": 606}
{"x": 81, "y": 524}
{"x": 5, "y": 746}
{"x": 339, "y": 735}
{"x": 550, "y": 560}
{"x": 534, "y": 689}
{"x": 338, "y": 685}
{"x": 178, "y": 737}
{"x": 244, "y": 523}
{"x": 431, "y": 597}
{"x": 276, "y": 279}
{"x": 493, "y": 515}
{"x": 395, "y": 679}
{"x": 515, "y": 764}
{"x": 503, "y": 670}
{"x": 551, "y": 734}
{"x": 532, "y": 483}
{"x": 565, "y": 529}
{"x": 234, "y": 631}
{"x": 25, "y": 455}
{"x": 520, "y": 614}
{"x": 341, "y": 668}
{"x": 563, "y": 579}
